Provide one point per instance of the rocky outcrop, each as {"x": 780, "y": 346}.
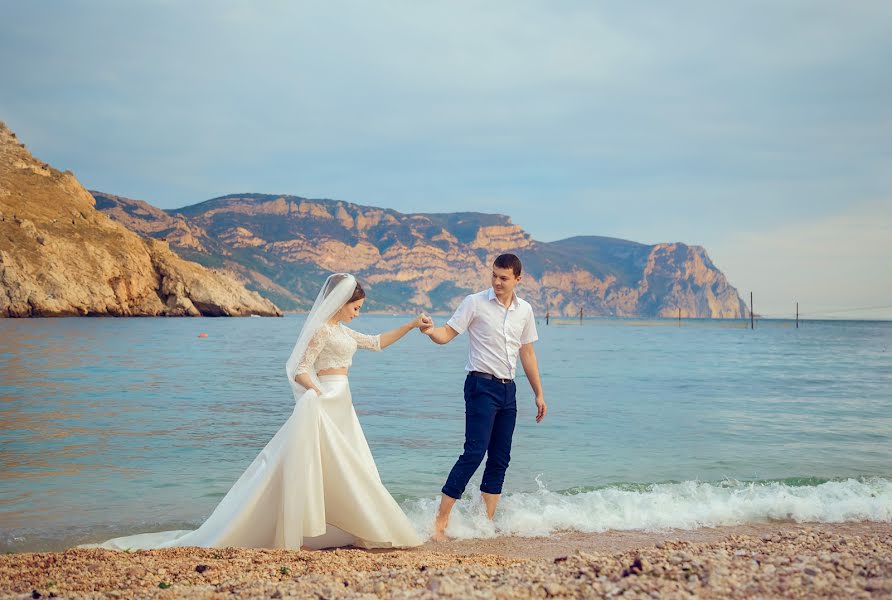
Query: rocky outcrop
{"x": 608, "y": 276}
{"x": 284, "y": 245}
{"x": 59, "y": 256}
{"x": 685, "y": 275}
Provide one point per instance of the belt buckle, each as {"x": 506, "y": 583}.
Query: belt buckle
{"x": 490, "y": 376}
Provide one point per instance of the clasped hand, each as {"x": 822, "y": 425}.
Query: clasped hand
{"x": 423, "y": 322}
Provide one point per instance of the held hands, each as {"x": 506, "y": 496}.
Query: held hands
{"x": 424, "y": 323}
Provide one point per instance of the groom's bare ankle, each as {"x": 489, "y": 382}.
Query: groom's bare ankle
{"x": 442, "y": 519}
{"x": 441, "y": 522}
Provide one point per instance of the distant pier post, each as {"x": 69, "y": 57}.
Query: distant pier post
{"x": 752, "y": 318}
{"x": 679, "y": 317}
{"x": 580, "y": 316}
{"x": 547, "y": 317}
{"x": 797, "y": 315}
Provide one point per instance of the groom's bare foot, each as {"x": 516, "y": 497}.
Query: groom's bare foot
{"x": 439, "y": 537}
{"x": 442, "y": 518}
{"x": 439, "y": 534}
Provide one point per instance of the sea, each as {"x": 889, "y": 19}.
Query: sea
{"x": 113, "y": 426}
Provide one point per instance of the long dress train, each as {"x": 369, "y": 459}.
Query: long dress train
{"x": 314, "y": 484}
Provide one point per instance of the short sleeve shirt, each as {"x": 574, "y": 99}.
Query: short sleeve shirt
{"x": 495, "y": 332}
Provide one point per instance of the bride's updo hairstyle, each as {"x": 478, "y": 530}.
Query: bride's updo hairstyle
{"x": 337, "y": 278}
{"x": 334, "y": 280}
{"x": 358, "y": 294}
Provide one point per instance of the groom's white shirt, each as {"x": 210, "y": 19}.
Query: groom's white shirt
{"x": 496, "y": 333}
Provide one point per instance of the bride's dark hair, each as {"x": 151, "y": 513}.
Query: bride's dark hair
{"x": 358, "y": 294}
{"x": 333, "y": 281}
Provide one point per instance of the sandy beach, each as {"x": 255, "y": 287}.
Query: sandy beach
{"x": 847, "y": 560}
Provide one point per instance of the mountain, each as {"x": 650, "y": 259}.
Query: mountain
{"x": 283, "y": 246}
{"x": 59, "y": 256}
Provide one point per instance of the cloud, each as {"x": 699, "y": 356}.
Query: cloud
{"x": 683, "y": 121}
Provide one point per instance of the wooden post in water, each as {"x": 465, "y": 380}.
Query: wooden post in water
{"x": 547, "y": 317}
{"x": 752, "y": 319}
{"x": 797, "y": 315}
{"x": 580, "y": 316}
{"x": 679, "y": 316}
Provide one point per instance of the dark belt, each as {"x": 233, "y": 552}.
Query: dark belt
{"x": 483, "y": 375}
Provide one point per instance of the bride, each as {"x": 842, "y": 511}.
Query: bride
{"x": 315, "y": 484}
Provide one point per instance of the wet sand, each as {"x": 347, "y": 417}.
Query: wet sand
{"x": 847, "y": 560}
{"x": 612, "y": 542}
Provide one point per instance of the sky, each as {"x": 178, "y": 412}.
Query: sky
{"x": 759, "y": 130}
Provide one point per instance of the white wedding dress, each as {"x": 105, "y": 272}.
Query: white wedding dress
{"x": 315, "y": 483}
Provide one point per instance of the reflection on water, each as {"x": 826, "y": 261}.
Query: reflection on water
{"x": 112, "y": 425}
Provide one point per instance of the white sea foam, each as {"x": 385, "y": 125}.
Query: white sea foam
{"x": 685, "y": 505}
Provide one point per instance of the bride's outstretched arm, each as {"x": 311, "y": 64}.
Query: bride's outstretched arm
{"x": 389, "y": 337}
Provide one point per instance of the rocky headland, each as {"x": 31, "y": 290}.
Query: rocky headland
{"x": 283, "y": 246}
{"x": 59, "y": 256}
{"x": 66, "y": 251}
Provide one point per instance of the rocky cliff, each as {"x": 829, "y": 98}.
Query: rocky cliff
{"x": 60, "y": 256}
{"x": 284, "y": 245}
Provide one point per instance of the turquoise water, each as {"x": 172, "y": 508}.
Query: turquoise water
{"x": 113, "y": 426}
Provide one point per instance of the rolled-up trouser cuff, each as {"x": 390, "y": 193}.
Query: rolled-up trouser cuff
{"x": 490, "y": 489}
{"x": 451, "y": 493}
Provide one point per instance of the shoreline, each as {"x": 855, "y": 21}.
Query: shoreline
{"x": 617, "y": 541}
{"x": 559, "y": 319}
{"x": 786, "y": 559}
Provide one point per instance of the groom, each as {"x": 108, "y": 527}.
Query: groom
{"x": 500, "y": 325}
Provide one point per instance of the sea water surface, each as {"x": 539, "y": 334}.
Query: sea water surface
{"x": 116, "y": 426}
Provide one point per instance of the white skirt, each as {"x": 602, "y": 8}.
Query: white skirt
{"x": 315, "y": 484}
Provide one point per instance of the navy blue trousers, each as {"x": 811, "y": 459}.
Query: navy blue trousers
{"x": 490, "y": 414}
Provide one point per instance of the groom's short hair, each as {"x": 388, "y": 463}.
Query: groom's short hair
{"x": 509, "y": 261}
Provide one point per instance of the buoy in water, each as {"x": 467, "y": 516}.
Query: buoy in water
{"x": 202, "y": 335}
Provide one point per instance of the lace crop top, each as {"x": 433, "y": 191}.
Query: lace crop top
{"x": 333, "y": 346}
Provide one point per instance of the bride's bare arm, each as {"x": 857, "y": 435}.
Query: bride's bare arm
{"x": 389, "y": 337}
